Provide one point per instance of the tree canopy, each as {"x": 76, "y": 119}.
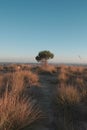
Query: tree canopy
{"x": 43, "y": 56}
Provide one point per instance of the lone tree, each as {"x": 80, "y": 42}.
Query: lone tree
{"x": 44, "y": 56}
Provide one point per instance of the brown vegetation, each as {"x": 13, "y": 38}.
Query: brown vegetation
{"x": 17, "y": 113}
{"x": 16, "y": 109}
{"x": 62, "y": 91}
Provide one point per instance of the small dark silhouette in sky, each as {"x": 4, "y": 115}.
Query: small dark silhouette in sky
{"x": 80, "y": 57}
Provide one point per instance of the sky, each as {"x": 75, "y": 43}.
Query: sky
{"x": 30, "y": 26}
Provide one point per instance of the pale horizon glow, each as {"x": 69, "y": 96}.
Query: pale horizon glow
{"x": 54, "y": 60}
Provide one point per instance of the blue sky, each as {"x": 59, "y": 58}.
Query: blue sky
{"x": 30, "y": 26}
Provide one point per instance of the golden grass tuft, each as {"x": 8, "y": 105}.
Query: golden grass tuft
{"x": 62, "y": 77}
{"x": 68, "y": 95}
{"x": 16, "y": 110}
{"x": 66, "y": 105}
{"x": 18, "y": 81}
{"x": 17, "y": 113}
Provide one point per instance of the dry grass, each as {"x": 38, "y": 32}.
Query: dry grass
{"x": 17, "y": 113}
{"x": 72, "y": 75}
{"x": 68, "y": 95}
{"x": 48, "y": 69}
{"x": 67, "y": 100}
{"x": 24, "y": 79}
{"x": 15, "y": 67}
{"x": 63, "y": 68}
{"x": 18, "y": 81}
{"x": 62, "y": 77}
{"x": 5, "y": 81}
{"x": 70, "y": 102}
{"x": 26, "y": 67}
{"x": 16, "y": 110}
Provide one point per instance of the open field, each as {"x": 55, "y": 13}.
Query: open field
{"x": 43, "y": 97}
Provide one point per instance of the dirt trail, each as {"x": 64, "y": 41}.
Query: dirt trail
{"x": 46, "y": 102}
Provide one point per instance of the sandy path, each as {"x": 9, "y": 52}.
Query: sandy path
{"x": 46, "y": 101}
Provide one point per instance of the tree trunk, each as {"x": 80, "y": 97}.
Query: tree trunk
{"x": 44, "y": 62}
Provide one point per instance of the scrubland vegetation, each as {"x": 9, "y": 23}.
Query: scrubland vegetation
{"x": 43, "y": 97}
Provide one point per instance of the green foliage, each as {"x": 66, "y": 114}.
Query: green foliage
{"x": 43, "y": 56}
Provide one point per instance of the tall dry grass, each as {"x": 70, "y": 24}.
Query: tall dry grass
{"x": 68, "y": 95}
{"x": 18, "y": 81}
{"x": 62, "y": 77}
{"x": 24, "y": 79}
{"x": 17, "y": 113}
{"x": 66, "y": 102}
{"x": 72, "y": 75}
